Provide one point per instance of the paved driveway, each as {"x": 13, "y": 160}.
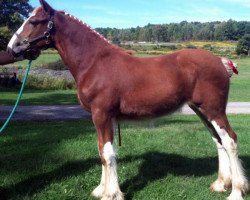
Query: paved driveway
{"x": 72, "y": 112}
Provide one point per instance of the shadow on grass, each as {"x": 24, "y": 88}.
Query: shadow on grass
{"x": 154, "y": 166}
{"x": 158, "y": 165}
{"x": 37, "y": 183}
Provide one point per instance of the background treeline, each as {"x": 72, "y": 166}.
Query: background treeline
{"x": 183, "y": 31}
{"x": 12, "y": 15}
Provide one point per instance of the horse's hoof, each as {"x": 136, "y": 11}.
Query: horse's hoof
{"x": 98, "y": 191}
{"x": 116, "y": 196}
{"x": 218, "y": 186}
{"x": 235, "y": 195}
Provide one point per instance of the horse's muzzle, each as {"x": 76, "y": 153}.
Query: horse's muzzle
{"x": 18, "y": 49}
{"x": 23, "y": 51}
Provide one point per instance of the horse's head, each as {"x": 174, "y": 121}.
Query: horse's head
{"x": 35, "y": 34}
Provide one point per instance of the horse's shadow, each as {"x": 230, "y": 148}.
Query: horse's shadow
{"x": 39, "y": 182}
{"x": 155, "y": 166}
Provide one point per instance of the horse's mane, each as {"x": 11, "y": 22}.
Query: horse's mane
{"x": 84, "y": 24}
{"x": 97, "y": 34}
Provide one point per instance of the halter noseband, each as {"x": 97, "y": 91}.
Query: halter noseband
{"x": 46, "y": 35}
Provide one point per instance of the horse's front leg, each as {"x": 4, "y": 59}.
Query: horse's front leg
{"x": 109, "y": 187}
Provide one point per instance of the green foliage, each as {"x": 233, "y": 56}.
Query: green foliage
{"x": 56, "y": 65}
{"x": 243, "y": 46}
{"x": 39, "y": 97}
{"x": 5, "y": 34}
{"x": 49, "y": 83}
{"x": 191, "y": 46}
{"x": 12, "y": 14}
{"x": 184, "y": 31}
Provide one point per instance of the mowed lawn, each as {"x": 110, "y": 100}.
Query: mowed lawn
{"x": 169, "y": 158}
{"x": 239, "y": 89}
{"x": 240, "y": 84}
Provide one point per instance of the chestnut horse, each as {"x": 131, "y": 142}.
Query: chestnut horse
{"x": 114, "y": 85}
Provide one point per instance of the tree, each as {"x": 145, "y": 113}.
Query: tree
{"x": 12, "y": 15}
{"x": 243, "y": 46}
{"x": 230, "y": 30}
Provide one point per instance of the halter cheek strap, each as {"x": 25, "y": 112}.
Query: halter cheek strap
{"x": 46, "y": 35}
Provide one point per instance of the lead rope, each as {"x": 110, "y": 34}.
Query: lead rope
{"x": 18, "y": 98}
{"x": 119, "y": 134}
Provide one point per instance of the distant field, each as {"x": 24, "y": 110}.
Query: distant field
{"x": 42, "y": 59}
{"x": 213, "y": 43}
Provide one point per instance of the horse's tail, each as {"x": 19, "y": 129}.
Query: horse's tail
{"x": 230, "y": 66}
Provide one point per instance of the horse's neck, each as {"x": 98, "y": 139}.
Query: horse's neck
{"x": 77, "y": 44}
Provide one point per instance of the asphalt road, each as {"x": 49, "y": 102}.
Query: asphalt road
{"x": 72, "y": 112}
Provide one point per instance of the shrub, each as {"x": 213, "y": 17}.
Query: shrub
{"x": 208, "y": 47}
{"x": 46, "y": 82}
{"x": 191, "y": 46}
{"x": 243, "y": 46}
{"x": 57, "y": 65}
{"x": 5, "y": 35}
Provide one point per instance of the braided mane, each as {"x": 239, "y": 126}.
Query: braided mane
{"x": 82, "y": 23}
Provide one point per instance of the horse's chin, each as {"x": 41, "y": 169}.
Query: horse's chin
{"x": 31, "y": 54}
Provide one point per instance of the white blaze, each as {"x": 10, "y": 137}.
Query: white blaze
{"x": 18, "y": 32}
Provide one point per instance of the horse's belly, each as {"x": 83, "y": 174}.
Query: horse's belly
{"x": 151, "y": 106}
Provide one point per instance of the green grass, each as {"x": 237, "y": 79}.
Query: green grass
{"x": 42, "y": 59}
{"x": 174, "y": 160}
{"x": 39, "y": 97}
{"x": 240, "y": 85}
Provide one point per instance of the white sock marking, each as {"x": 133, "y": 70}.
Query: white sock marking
{"x": 111, "y": 179}
{"x": 224, "y": 175}
{"x": 239, "y": 181}
{"x": 99, "y": 190}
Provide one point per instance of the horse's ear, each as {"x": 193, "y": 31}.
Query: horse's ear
{"x": 47, "y": 7}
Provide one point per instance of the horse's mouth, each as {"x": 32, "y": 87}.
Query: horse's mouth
{"x": 24, "y": 52}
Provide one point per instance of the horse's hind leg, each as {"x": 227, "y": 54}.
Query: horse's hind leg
{"x": 109, "y": 187}
{"x": 228, "y": 142}
{"x": 230, "y": 168}
{"x": 224, "y": 173}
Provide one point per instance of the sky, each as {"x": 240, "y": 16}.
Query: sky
{"x": 133, "y": 13}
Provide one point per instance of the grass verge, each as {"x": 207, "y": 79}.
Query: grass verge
{"x": 39, "y": 97}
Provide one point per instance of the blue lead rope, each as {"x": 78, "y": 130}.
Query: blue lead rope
{"x": 18, "y": 98}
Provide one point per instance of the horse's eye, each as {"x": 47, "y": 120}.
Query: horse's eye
{"x": 33, "y": 22}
